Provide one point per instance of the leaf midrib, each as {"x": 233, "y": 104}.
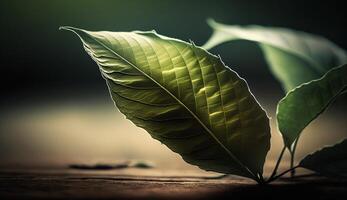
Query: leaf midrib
{"x": 243, "y": 167}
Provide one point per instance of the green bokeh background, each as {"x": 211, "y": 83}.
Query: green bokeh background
{"x": 35, "y": 55}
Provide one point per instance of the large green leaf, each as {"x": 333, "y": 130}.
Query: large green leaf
{"x": 330, "y": 160}
{"x": 294, "y": 57}
{"x": 184, "y": 97}
{"x": 304, "y": 103}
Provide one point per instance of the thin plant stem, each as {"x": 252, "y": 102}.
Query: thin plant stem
{"x": 261, "y": 178}
{"x": 281, "y": 174}
{"x": 274, "y": 172}
{"x": 292, "y": 156}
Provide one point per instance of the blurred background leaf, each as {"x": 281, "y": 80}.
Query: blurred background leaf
{"x": 294, "y": 57}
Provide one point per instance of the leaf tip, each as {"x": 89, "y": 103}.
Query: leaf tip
{"x": 70, "y": 28}
{"x": 63, "y": 28}
{"x": 211, "y": 22}
{"x": 79, "y": 32}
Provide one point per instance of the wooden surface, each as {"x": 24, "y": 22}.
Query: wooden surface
{"x": 62, "y": 133}
{"x": 123, "y": 184}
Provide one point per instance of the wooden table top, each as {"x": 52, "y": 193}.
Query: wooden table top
{"x": 156, "y": 184}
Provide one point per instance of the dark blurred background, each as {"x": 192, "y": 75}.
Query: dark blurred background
{"x": 54, "y": 104}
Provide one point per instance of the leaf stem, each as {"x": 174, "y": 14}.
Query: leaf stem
{"x": 274, "y": 172}
{"x": 281, "y": 174}
{"x": 262, "y": 180}
{"x": 292, "y": 156}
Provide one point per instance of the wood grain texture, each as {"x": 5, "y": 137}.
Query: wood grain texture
{"x": 66, "y": 184}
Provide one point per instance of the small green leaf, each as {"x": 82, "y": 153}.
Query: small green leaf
{"x": 294, "y": 57}
{"x": 330, "y": 161}
{"x": 304, "y": 103}
{"x": 184, "y": 97}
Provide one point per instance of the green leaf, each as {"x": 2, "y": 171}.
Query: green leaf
{"x": 294, "y": 57}
{"x": 330, "y": 161}
{"x": 304, "y": 103}
{"x": 184, "y": 97}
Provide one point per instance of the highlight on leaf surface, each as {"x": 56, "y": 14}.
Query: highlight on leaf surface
{"x": 294, "y": 57}
{"x": 184, "y": 97}
{"x": 306, "y": 102}
{"x": 329, "y": 161}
